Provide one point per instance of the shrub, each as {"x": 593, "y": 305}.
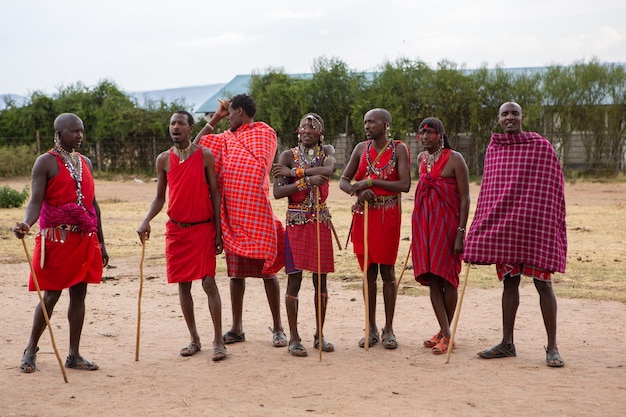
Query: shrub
{"x": 12, "y": 198}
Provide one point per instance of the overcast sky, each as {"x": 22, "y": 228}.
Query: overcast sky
{"x": 155, "y": 44}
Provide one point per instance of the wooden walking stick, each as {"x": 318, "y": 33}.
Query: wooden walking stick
{"x": 406, "y": 261}
{"x": 457, "y": 313}
{"x": 44, "y": 310}
{"x": 332, "y": 226}
{"x": 320, "y": 341}
{"x": 365, "y": 282}
{"x": 143, "y": 254}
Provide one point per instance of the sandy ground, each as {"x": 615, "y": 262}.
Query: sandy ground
{"x": 259, "y": 380}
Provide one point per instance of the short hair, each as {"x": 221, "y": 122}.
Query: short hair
{"x": 245, "y": 102}
{"x": 190, "y": 120}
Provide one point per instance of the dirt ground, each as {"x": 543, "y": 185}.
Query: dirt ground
{"x": 259, "y": 380}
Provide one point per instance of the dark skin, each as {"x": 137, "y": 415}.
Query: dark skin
{"x": 376, "y": 123}
{"x": 237, "y": 117}
{"x": 443, "y": 295}
{"x": 310, "y": 133}
{"x": 180, "y": 129}
{"x": 510, "y": 118}
{"x": 69, "y": 135}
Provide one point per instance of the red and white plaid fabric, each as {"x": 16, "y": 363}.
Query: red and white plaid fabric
{"x": 243, "y": 163}
{"x": 520, "y": 214}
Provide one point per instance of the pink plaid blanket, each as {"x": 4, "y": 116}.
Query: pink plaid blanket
{"x": 243, "y": 163}
{"x": 520, "y": 214}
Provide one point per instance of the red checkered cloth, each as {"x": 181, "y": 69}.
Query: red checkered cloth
{"x": 189, "y": 251}
{"x": 243, "y": 163}
{"x": 301, "y": 248}
{"x": 434, "y": 224}
{"x": 520, "y": 214}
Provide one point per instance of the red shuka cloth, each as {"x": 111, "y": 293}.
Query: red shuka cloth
{"x": 70, "y": 257}
{"x": 383, "y": 222}
{"x": 243, "y": 163}
{"x": 434, "y": 223}
{"x": 301, "y": 239}
{"x": 520, "y": 213}
{"x": 189, "y": 251}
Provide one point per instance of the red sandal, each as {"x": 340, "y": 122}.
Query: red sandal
{"x": 432, "y": 342}
{"x": 442, "y": 347}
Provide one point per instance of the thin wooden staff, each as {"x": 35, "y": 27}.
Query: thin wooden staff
{"x": 332, "y": 227}
{"x": 143, "y": 254}
{"x": 349, "y": 232}
{"x": 44, "y": 310}
{"x": 406, "y": 261}
{"x": 365, "y": 268}
{"x": 320, "y": 341}
{"x": 457, "y": 313}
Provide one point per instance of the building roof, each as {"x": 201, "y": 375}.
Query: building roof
{"x": 238, "y": 85}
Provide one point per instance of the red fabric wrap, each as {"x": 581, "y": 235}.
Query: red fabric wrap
{"x": 189, "y": 251}
{"x": 383, "y": 222}
{"x": 303, "y": 244}
{"x": 520, "y": 213}
{"x": 70, "y": 257}
{"x": 434, "y": 224}
{"x": 249, "y": 227}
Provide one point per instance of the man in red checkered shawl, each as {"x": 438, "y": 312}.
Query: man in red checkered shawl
{"x": 302, "y": 175}
{"x": 252, "y": 234}
{"x": 519, "y": 224}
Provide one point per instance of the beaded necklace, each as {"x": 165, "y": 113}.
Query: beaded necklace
{"x": 181, "y": 152}
{"x": 371, "y": 165}
{"x": 72, "y": 162}
{"x": 308, "y": 158}
{"x": 432, "y": 158}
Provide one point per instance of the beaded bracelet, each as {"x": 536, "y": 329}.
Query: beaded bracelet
{"x": 460, "y": 229}
{"x": 369, "y": 182}
{"x": 301, "y": 184}
{"x": 293, "y": 172}
{"x": 308, "y": 181}
{"x": 299, "y": 172}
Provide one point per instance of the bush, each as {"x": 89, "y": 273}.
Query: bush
{"x": 17, "y": 160}
{"x": 12, "y": 198}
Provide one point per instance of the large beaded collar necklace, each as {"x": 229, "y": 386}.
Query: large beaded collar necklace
{"x": 432, "y": 158}
{"x": 73, "y": 163}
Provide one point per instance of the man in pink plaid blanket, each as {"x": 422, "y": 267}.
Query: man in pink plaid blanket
{"x": 519, "y": 224}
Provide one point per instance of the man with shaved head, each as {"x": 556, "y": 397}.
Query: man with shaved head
{"x": 519, "y": 224}
{"x": 380, "y": 166}
{"x": 69, "y": 248}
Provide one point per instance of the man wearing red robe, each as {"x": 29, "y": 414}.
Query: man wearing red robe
{"x": 69, "y": 248}
{"x": 193, "y": 232}
{"x": 381, "y": 169}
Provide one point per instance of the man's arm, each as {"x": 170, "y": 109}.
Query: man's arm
{"x": 157, "y": 204}
{"x": 222, "y": 112}
{"x": 461, "y": 174}
{"x": 280, "y": 172}
{"x": 351, "y": 168}
{"x": 211, "y": 176}
{"x": 43, "y": 170}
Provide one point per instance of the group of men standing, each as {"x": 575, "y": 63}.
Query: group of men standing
{"x": 218, "y": 200}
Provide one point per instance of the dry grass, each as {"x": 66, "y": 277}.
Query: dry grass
{"x": 595, "y": 219}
